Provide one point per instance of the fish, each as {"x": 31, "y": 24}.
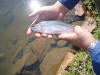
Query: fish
{"x": 51, "y": 27}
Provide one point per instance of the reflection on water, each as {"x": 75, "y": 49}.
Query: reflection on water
{"x": 20, "y": 54}
{"x": 13, "y": 23}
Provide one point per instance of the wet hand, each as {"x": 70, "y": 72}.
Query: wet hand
{"x": 80, "y": 37}
{"x": 29, "y": 32}
{"x": 56, "y": 11}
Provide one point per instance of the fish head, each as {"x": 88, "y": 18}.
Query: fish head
{"x": 36, "y": 28}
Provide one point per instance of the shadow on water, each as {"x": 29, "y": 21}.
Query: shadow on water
{"x": 66, "y": 45}
{"x": 19, "y": 55}
{"x": 9, "y": 17}
{"x": 2, "y": 59}
{"x": 8, "y": 12}
{"x": 21, "y": 52}
{"x": 30, "y": 40}
{"x": 34, "y": 51}
{"x": 14, "y": 42}
{"x": 75, "y": 19}
{"x": 33, "y": 67}
{"x": 54, "y": 45}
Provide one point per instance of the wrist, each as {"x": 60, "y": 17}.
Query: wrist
{"x": 60, "y": 8}
{"x": 89, "y": 41}
{"x": 91, "y": 47}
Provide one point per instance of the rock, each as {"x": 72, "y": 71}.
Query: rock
{"x": 27, "y": 59}
{"x": 67, "y": 59}
{"x": 61, "y": 43}
{"x": 90, "y": 24}
{"x": 52, "y": 61}
{"x": 41, "y": 44}
{"x": 88, "y": 14}
{"x": 26, "y": 52}
{"x": 69, "y": 17}
{"x": 80, "y": 9}
{"x": 30, "y": 58}
{"x": 52, "y": 41}
{"x": 2, "y": 55}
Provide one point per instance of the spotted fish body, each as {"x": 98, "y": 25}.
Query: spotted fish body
{"x": 52, "y": 27}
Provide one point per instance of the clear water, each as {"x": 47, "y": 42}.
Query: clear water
{"x": 13, "y": 25}
{"x": 19, "y": 53}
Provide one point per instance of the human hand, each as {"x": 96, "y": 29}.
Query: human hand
{"x": 56, "y": 11}
{"x": 80, "y": 37}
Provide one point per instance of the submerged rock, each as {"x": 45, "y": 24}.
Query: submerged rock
{"x": 52, "y": 60}
{"x": 80, "y": 9}
{"x": 31, "y": 56}
{"x": 67, "y": 59}
{"x": 2, "y": 55}
{"x": 62, "y": 43}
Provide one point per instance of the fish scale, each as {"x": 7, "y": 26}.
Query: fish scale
{"x": 52, "y": 27}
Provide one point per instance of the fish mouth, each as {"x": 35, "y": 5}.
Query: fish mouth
{"x": 32, "y": 25}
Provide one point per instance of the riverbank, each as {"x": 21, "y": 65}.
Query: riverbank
{"x": 82, "y": 63}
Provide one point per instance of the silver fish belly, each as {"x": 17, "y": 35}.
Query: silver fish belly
{"x": 52, "y": 27}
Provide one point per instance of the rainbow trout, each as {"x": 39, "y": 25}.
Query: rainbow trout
{"x": 51, "y": 27}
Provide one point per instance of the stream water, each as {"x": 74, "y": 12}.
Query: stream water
{"x": 26, "y": 55}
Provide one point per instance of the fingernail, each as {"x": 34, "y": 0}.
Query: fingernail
{"x": 49, "y": 36}
{"x": 59, "y": 36}
{"x": 37, "y": 35}
{"x": 78, "y": 27}
{"x": 44, "y": 34}
{"x": 29, "y": 31}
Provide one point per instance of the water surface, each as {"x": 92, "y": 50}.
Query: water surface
{"x": 21, "y": 54}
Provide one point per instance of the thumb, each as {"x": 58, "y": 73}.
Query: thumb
{"x": 36, "y": 20}
{"x": 67, "y": 36}
{"x": 78, "y": 30}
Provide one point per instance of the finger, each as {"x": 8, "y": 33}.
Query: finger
{"x": 67, "y": 36}
{"x": 50, "y": 36}
{"x": 44, "y": 35}
{"x": 29, "y": 31}
{"x": 38, "y": 35}
{"x": 36, "y": 20}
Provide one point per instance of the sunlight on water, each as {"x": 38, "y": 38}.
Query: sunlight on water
{"x": 21, "y": 54}
{"x": 35, "y": 5}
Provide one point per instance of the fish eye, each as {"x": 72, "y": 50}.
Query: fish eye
{"x": 33, "y": 25}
